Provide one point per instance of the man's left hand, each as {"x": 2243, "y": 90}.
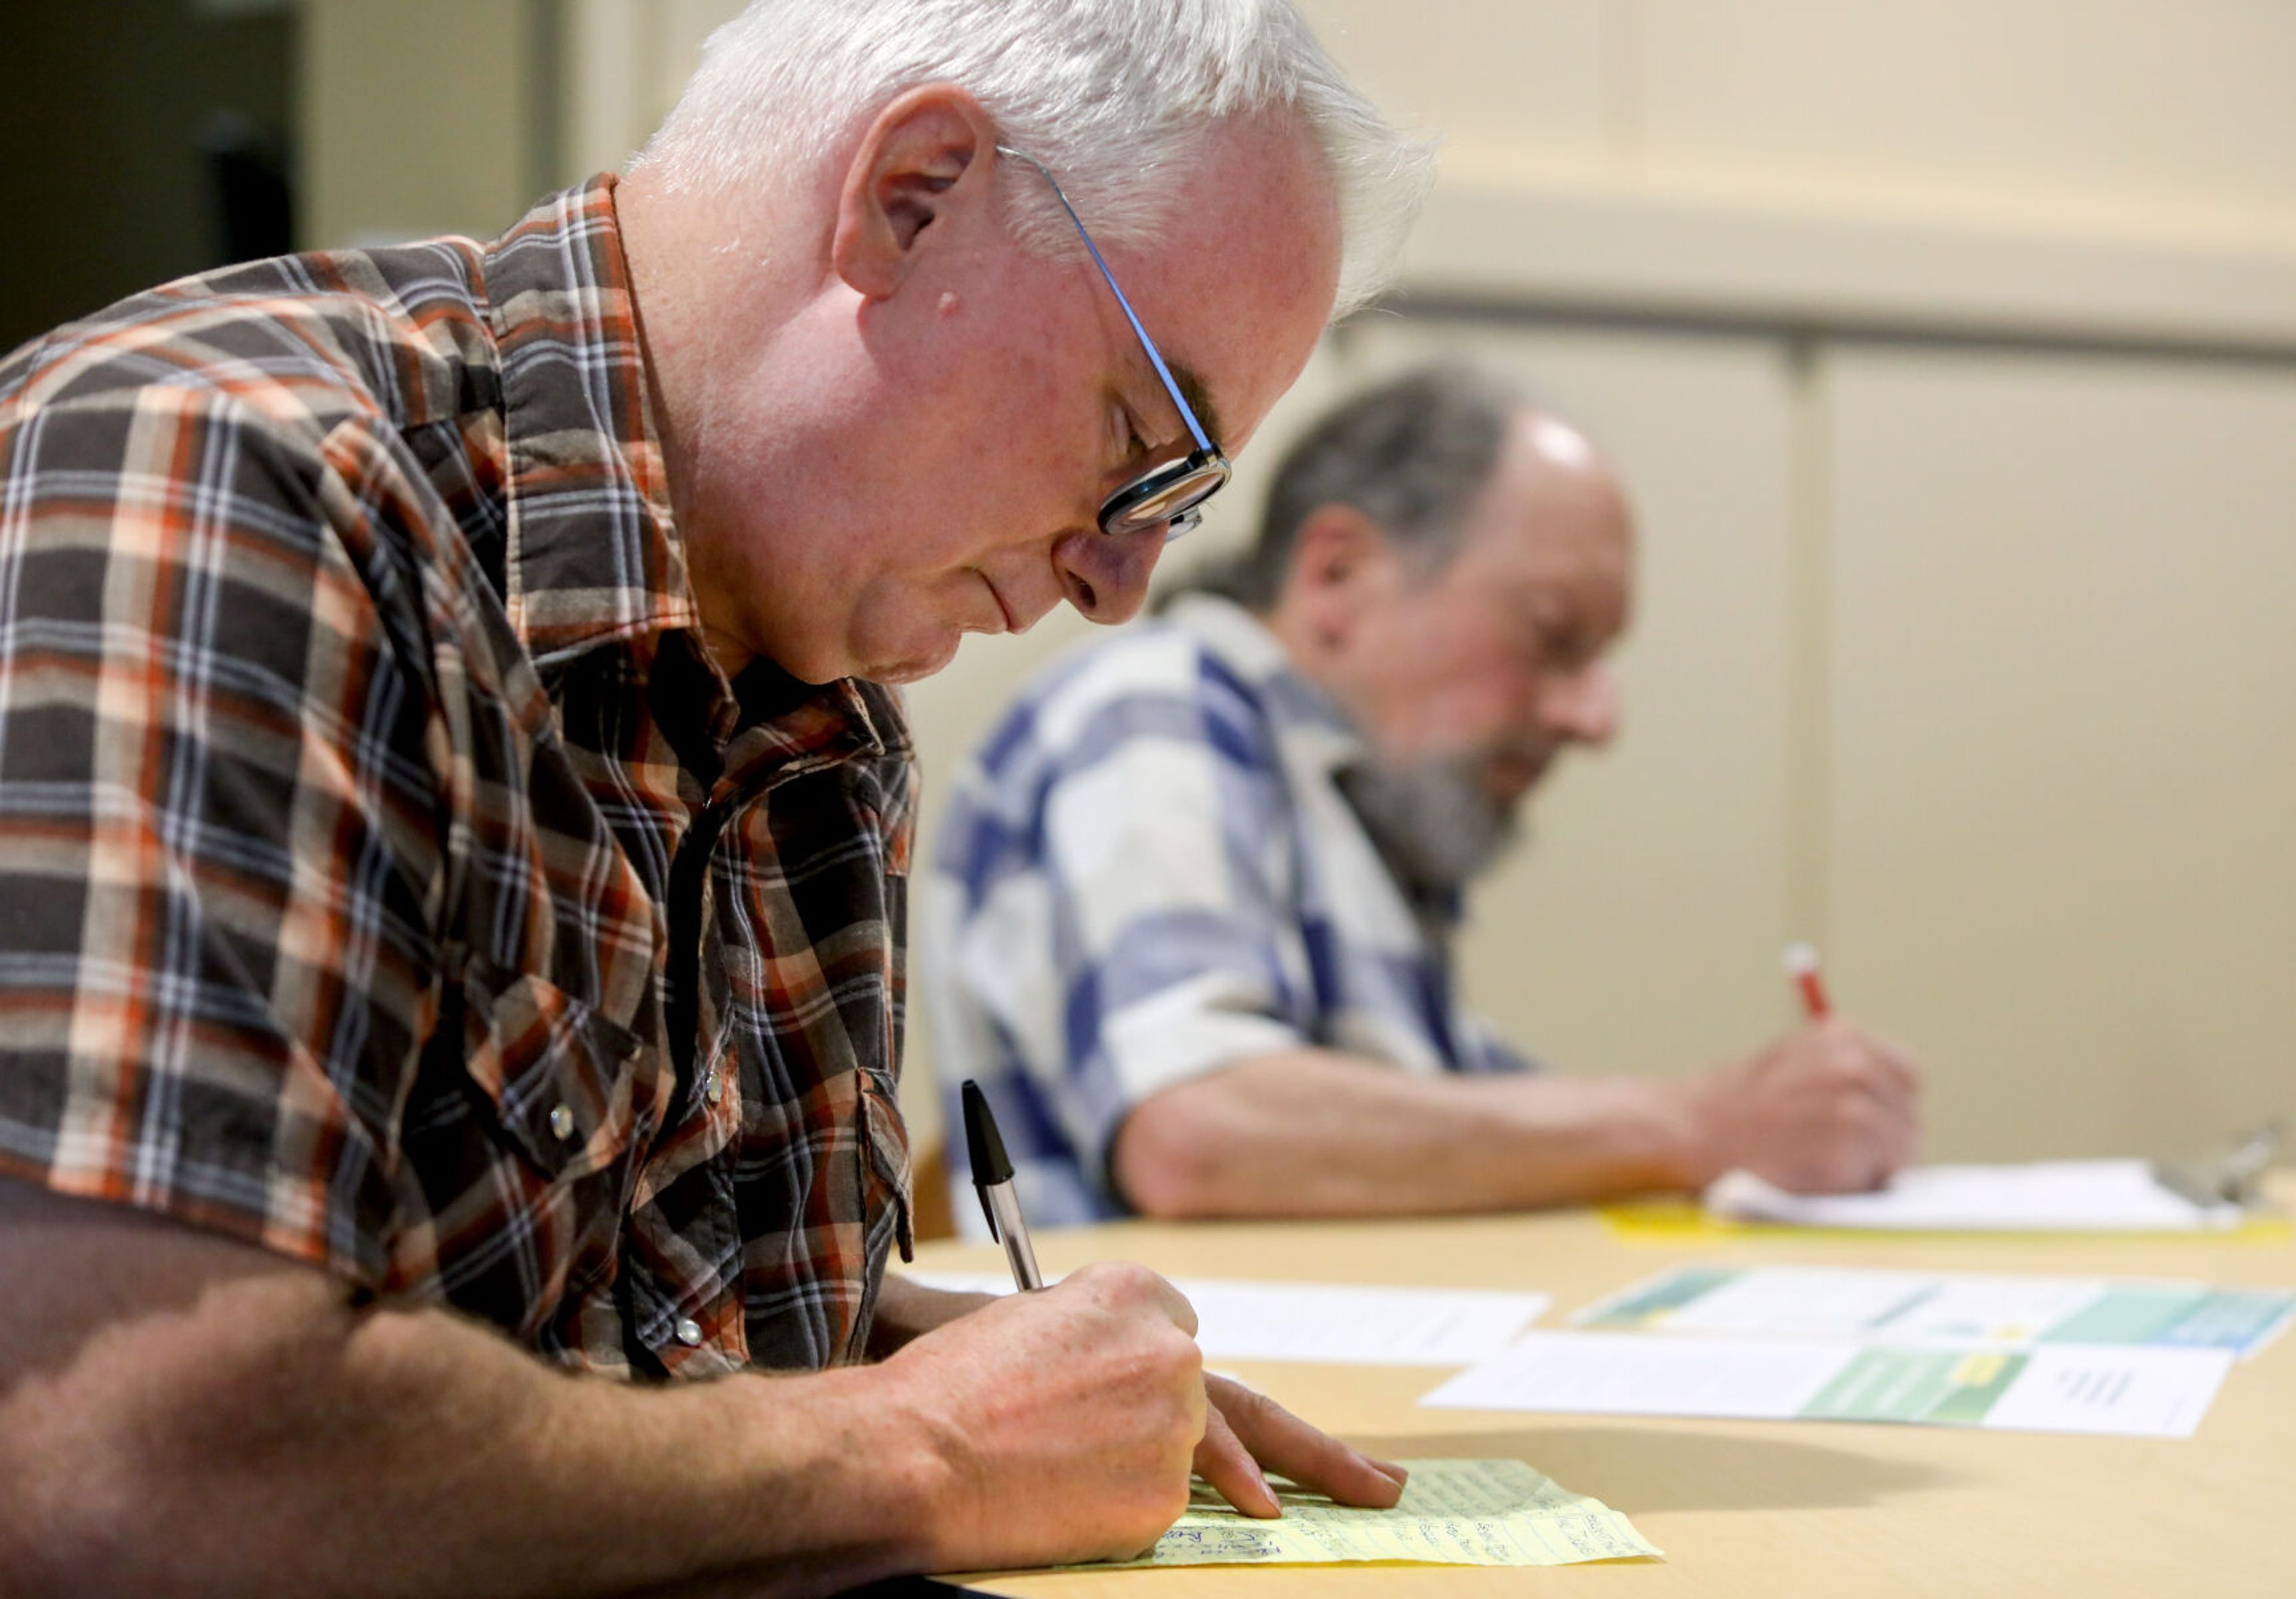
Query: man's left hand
{"x": 1247, "y": 1435}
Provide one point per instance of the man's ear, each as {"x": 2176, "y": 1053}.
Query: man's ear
{"x": 923, "y": 161}
{"x": 1341, "y": 560}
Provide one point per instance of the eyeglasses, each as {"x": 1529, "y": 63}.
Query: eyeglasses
{"x": 1170, "y": 495}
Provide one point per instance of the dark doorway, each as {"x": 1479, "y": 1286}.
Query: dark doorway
{"x": 143, "y": 140}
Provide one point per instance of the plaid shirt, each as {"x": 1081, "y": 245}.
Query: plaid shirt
{"x": 1151, "y": 870}
{"x": 388, "y": 877}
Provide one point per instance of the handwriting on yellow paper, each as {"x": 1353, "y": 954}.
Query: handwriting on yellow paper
{"x": 1470, "y": 1513}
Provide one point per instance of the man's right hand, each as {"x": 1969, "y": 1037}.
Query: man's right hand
{"x": 1827, "y": 1109}
{"x": 1065, "y": 1419}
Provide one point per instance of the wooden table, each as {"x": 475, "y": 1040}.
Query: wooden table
{"x": 1762, "y": 1508}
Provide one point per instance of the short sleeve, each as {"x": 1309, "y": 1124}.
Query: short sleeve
{"x": 217, "y": 830}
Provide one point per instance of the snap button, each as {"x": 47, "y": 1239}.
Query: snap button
{"x": 714, "y": 1090}
{"x": 689, "y": 1331}
{"x": 562, "y": 1122}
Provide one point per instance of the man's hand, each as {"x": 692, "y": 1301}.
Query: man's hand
{"x": 1828, "y": 1109}
{"x": 1072, "y": 1419}
{"x": 1247, "y": 1434}
{"x": 1064, "y": 1418}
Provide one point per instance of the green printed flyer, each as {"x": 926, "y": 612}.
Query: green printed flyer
{"x": 2046, "y": 1388}
{"x": 1798, "y": 1301}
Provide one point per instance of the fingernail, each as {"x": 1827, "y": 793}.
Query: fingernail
{"x": 1390, "y": 1471}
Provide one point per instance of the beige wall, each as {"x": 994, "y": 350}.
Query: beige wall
{"x": 2061, "y": 839}
{"x": 418, "y": 118}
{"x": 2131, "y": 117}
{"x": 1951, "y": 347}
{"x": 2148, "y": 118}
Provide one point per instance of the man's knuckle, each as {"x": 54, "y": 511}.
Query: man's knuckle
{"x": 1185, "y": 1358}
{"x": 1125, "y": 1276}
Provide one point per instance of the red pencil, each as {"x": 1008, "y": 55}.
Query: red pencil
{"x": 1801, "y": 965}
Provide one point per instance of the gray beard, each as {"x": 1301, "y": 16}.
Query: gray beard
{"x": 1432, "y": 824}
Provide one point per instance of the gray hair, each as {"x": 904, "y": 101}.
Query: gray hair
{"x": 1115, "y": 97}
{"x": 1412, "y": 454}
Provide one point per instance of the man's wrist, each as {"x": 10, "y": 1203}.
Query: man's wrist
{"x": 862, "y": 1471}
{"x": 1636, "y": 1134}
{"x": 1688, "y": 1132}
{"x": 927, "y": 1461}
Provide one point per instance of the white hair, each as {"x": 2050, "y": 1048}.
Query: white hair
{"x": 1114, "y": 97}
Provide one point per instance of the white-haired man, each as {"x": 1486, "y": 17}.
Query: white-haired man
{"x": 1192, "y": 920}
{"x": 453, "y": 835}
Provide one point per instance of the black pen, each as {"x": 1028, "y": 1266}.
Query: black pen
{"x": 992, "y": 1179}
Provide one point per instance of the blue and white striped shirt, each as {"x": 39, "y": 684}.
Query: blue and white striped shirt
{"x": 1150, "y": 872}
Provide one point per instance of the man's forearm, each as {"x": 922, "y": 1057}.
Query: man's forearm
{"x": 906, "y": 1311}
{"x": 1318, "y": 1133}
{"x": 259, "y": 1436}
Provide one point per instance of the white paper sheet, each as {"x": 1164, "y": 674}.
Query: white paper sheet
{"x": 2108, "y": 1196}
{"x": 2147, "y": 1393}
{"x": 1624, "y": 1373}
{"x": 2137, "y": 1393}
{"x": 1341, "y": 1324}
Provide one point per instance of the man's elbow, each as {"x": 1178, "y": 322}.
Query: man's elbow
{"x": 1166, "y": 1159}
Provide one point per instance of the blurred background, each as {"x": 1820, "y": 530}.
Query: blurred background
{"x": 1948, "y": 346}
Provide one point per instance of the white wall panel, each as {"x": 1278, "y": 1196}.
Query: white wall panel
{"x": 415, "y": 119}
{"x": 2062, "y": 857}
{"x": 2129, "y": 110}
{"x": 1538, "y": 81}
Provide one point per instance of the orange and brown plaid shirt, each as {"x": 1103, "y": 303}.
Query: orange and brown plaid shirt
{"x": 387, "y": 875}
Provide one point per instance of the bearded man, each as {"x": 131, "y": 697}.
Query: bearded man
{"x": 1191, "y": 920}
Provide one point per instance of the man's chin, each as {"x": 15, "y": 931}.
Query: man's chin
{"x": 1509, "y": 782}
{"x": 910, "y": 666}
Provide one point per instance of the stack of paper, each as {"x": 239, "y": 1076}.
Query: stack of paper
{"x": 2106, "y": 1196}
{"x": 1339, "y": 1324}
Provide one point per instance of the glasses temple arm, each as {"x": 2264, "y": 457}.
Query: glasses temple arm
{"x": 1187, "y": 412}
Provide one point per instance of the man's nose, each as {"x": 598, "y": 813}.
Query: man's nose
{"x": 1582, "y": 705}
{"x": 1106, "y": 576}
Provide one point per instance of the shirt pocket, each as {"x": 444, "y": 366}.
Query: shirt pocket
{"x": 559, "y": 1084}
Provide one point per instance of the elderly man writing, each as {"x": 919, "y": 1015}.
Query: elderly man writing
{"x": 454, "y": 835}
{"x": 1191, "y": 920}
